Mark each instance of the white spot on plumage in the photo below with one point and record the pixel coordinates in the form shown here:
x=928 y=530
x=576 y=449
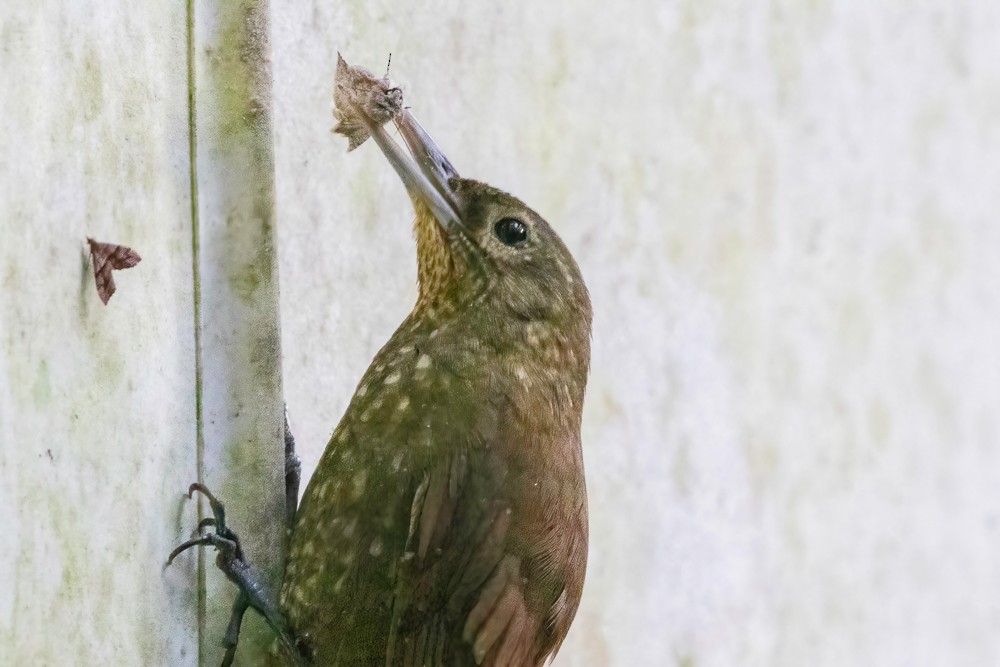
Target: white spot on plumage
x=533 y=333
x=424 y=361
x=359 y=483
x=370 y=410
x=403 y=403
x=392 y=379
x=376 y=547
x=363 y=389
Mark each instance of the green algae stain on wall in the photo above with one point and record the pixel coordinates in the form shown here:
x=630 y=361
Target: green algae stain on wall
x=89 y=88
x=240 y=375
x=41 y=391
x=245 y=278
x=242 y=65
x=265 y=357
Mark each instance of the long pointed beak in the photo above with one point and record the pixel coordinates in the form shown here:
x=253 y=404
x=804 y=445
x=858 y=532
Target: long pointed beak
x=425 y=172
x=432 y=162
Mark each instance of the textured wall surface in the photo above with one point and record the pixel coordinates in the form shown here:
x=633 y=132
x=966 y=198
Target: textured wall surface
x=241 y=447
x=107 y=413
x=786 y=214
x=97 y=425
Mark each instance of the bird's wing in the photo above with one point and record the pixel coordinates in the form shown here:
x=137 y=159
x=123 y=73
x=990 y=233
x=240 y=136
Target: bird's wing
x=460 y=595
x=423 y=539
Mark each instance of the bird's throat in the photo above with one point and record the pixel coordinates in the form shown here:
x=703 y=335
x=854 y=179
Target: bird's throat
x=435 y=263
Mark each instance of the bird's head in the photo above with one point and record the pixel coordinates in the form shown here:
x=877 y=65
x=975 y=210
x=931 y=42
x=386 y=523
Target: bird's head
x=489 y=267
x=482 y=250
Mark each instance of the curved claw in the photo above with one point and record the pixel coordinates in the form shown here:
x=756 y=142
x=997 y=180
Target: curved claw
x=201 y=488
x=204 y=539
x=222 y=534
x=218 y=509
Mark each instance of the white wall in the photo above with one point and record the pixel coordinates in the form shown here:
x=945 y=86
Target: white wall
x=786 y=216
x=97 y=426
x=108 y=413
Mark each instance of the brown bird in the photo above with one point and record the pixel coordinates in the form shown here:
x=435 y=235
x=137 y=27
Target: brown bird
x=446 y=523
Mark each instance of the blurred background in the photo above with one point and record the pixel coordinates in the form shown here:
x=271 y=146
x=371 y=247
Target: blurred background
x=786 y=213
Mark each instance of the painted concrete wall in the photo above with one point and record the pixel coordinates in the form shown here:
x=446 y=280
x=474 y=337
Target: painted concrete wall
x=786 y=216
x=97 y=425
x=146 y=126
x=786 y=213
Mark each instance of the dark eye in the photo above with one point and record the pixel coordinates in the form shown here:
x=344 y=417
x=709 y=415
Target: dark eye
x=511 y=231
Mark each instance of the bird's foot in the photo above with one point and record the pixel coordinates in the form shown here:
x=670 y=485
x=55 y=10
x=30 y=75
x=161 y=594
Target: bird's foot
x=213 y=531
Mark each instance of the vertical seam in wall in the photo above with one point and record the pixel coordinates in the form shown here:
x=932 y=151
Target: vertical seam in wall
x=196 y=277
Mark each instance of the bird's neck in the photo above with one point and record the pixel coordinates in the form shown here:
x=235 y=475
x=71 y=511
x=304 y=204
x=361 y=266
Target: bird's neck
x=551 y=369
x=435 y=263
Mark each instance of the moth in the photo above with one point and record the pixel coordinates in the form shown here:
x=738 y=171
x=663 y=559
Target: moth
x=357 y=88
x=108 y=257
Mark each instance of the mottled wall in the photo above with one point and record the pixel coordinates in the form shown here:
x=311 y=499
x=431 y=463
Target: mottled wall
x=786 y=214
x=97 y=425
x=147 y=126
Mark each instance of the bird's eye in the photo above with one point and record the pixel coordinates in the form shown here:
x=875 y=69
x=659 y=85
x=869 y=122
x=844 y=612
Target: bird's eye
x=511 y=231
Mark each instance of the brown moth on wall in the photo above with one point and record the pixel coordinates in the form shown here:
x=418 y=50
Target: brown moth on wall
x=108 y=257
